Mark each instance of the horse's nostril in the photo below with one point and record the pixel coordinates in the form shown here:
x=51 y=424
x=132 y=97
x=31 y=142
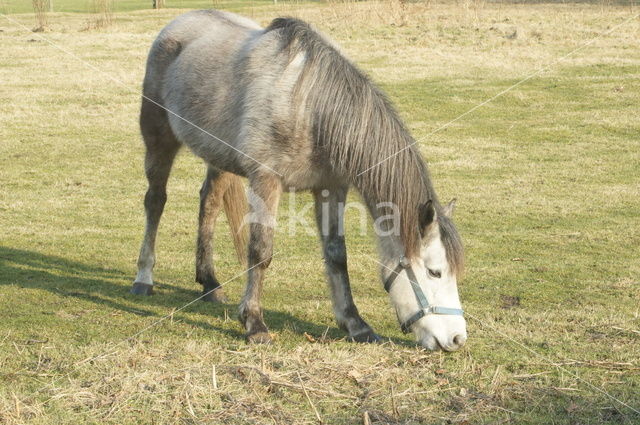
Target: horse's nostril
x=459 y=340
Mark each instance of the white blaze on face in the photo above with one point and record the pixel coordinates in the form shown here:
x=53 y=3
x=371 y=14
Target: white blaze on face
x=433 y=331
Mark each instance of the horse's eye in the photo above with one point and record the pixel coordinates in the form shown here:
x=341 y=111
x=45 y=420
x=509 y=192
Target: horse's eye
x=435 y=273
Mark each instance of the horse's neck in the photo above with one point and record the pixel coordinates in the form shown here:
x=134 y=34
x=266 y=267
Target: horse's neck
x=390 y=245
x=388 y=223
x=390 y=249
x=401 y=183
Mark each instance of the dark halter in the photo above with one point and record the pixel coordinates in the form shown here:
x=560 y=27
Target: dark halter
x=425 y=308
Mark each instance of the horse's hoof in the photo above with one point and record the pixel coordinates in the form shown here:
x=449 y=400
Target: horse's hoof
x=368 y=337
x=139 y=288
x=215 y=296
x=259 y=338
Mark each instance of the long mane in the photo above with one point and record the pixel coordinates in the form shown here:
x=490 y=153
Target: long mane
x=357 y=128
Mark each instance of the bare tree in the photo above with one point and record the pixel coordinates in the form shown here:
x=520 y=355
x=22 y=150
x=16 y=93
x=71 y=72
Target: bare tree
x=40 y=8
x=103 y=10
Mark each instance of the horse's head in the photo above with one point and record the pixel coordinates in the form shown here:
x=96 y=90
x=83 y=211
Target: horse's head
x=430 y=306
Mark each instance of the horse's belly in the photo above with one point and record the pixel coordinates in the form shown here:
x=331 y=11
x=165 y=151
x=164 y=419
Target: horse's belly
x=302 y=180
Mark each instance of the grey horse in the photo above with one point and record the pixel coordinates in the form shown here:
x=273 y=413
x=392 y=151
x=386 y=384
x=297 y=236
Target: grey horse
x=284 y=108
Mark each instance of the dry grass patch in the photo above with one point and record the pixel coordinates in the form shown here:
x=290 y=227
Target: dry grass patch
x=200 y=381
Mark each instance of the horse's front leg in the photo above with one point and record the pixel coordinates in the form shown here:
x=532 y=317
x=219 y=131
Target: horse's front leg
x=264 y=197
x=329 y=205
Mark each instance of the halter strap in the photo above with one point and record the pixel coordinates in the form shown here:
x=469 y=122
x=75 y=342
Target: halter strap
x=425 y=308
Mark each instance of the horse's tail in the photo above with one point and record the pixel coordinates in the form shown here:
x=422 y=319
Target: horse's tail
x=236 y=207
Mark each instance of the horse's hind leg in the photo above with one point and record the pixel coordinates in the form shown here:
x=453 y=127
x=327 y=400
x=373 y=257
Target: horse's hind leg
x=265 y=194
x=329 y=207
x=211 y=201
x=161 y=151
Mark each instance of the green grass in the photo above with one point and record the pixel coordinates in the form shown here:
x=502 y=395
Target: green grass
x=546 y=178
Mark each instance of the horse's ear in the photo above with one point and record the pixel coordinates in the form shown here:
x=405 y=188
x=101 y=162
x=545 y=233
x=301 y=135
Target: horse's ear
x=448 y=210
x=426 y=216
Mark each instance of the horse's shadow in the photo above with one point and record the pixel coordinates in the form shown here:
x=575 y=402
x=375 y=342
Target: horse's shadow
x=103 y=287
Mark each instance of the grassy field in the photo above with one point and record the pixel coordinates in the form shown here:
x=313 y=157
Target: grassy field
x=547 y=181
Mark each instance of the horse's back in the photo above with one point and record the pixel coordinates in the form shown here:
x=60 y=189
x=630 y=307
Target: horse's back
x=195 y=24
x=190 y=27
x=185 y=30
x=190 y=64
